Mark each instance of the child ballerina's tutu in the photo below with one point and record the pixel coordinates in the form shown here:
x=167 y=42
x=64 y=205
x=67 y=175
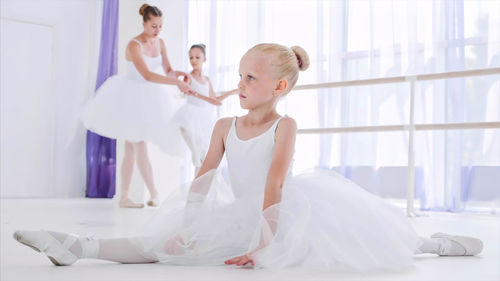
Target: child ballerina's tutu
x=264 y=216
x=197 y=117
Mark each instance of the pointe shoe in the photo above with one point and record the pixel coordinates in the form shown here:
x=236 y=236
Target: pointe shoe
x=128 y=203
x=469 y=246
x=42 y=241
x=153 y=202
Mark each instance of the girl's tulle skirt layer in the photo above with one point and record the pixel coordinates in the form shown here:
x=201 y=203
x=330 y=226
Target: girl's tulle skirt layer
x=324 y=222
x=199 y=121
x=135 y=110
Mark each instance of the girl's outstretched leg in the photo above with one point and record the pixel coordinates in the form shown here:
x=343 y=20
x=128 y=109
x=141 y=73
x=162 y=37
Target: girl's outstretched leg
x=66 y=249
x=123 y=250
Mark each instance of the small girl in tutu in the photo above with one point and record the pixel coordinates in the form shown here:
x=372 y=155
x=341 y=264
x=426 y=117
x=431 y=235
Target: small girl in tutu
x=265 y=217
x=197 y=117
x=138 y=106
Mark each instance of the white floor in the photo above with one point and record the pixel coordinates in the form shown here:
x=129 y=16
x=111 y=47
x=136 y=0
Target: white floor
x=102 y=218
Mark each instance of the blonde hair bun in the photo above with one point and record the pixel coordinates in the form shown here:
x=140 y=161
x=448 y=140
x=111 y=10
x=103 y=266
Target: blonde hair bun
x=286 y=62
x=302 y=57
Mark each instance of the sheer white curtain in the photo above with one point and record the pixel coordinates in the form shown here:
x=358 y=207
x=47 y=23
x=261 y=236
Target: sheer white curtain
x=349 y=40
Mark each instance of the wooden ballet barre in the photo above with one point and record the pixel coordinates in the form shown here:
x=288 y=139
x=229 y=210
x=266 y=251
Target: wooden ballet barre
x=389 y=128
x=401 y=79
x=411 y=127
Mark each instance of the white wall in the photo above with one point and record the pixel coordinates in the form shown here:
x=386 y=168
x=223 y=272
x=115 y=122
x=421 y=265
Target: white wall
x=49 y=52
x=47 y=48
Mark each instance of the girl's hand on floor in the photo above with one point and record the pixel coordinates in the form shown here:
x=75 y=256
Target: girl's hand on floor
x=241 y=260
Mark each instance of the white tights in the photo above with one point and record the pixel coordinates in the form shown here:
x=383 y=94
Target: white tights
x=136 y=151
x=196 y=154
x=125 y=250
x=122 y=250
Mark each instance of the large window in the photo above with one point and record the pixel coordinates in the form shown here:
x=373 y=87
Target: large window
x=350 y=40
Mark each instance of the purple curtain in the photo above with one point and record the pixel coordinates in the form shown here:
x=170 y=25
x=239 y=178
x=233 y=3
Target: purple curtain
x=101 y=151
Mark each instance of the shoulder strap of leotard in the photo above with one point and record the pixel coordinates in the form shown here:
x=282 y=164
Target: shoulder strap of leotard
x=137 y=41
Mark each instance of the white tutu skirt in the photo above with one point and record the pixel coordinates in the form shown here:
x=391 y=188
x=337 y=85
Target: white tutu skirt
x=135 y=110
x=324 y=222
x=198 y=121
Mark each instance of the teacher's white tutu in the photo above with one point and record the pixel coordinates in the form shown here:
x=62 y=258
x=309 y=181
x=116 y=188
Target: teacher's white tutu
x=130 y=108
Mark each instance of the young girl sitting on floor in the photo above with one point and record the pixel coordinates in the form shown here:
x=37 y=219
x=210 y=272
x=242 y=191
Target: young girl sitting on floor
x=268 y=218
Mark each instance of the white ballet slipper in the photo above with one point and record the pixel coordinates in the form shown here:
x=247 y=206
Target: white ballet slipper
x=153 y=202
x=128 y=203
x=42 y=241
x=469 y=246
